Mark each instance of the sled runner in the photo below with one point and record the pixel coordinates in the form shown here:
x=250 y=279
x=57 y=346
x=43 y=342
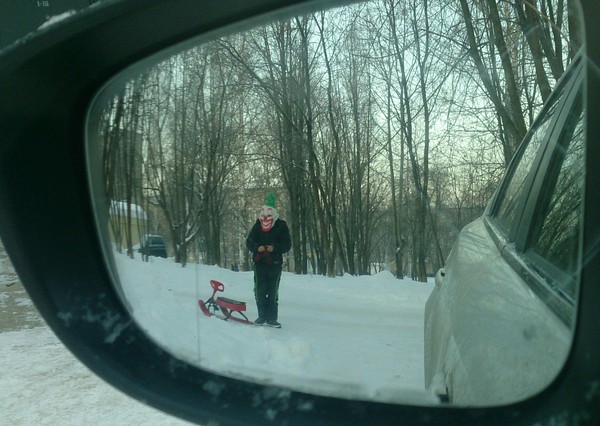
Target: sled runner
x=223 y=307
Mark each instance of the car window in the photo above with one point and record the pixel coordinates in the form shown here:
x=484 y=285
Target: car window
x=510 y=207
x=556 y=237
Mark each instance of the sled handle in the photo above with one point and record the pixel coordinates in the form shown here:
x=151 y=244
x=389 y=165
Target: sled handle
x=217 y=286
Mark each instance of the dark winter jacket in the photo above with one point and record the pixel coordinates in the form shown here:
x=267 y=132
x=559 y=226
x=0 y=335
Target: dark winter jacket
x=278 y=237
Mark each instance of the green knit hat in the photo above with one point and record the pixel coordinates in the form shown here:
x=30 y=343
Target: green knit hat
x=271 y=200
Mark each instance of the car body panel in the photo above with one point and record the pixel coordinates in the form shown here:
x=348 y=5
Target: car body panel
x=482 y=318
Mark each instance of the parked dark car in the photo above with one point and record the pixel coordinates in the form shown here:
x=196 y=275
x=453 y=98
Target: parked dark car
x=153 y=245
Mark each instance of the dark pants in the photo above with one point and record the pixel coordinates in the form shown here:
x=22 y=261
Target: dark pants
x=266 y=290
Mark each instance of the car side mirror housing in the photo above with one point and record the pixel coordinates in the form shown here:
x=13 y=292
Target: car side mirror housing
x=46 y=86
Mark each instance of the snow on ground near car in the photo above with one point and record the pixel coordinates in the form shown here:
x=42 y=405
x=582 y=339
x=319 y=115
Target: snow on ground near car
x=350 y=337
x=43 y=384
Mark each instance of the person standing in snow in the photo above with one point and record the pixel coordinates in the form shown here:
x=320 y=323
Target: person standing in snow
x=268 y=239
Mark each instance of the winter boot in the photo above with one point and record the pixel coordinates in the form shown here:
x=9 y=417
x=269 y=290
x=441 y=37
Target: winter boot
x=273 y=323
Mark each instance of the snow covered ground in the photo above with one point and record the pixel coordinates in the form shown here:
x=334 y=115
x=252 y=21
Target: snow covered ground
x=43 y=384
x=349 y=337
x=353 y=337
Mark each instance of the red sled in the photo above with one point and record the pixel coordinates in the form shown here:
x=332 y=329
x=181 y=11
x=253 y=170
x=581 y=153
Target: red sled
x=223 y=307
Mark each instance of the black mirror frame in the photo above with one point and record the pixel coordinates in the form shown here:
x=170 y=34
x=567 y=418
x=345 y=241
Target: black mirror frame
x=47 y=226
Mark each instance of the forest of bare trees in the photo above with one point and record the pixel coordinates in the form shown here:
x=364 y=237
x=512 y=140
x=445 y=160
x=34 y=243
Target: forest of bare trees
x=384 y=127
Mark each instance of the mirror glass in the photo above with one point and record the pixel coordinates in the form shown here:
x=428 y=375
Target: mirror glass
x=314 y=173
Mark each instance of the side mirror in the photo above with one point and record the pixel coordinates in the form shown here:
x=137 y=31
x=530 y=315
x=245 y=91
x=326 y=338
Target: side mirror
x=46 y=86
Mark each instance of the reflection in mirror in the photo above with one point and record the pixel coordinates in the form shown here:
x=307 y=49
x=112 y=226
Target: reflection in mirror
x=381 y=129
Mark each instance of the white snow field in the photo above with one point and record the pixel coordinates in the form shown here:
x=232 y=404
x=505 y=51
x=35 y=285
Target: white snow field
x=357 y=337
x=350 y=337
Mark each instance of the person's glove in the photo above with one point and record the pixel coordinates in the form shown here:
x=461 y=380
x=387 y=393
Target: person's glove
x=264 y=253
